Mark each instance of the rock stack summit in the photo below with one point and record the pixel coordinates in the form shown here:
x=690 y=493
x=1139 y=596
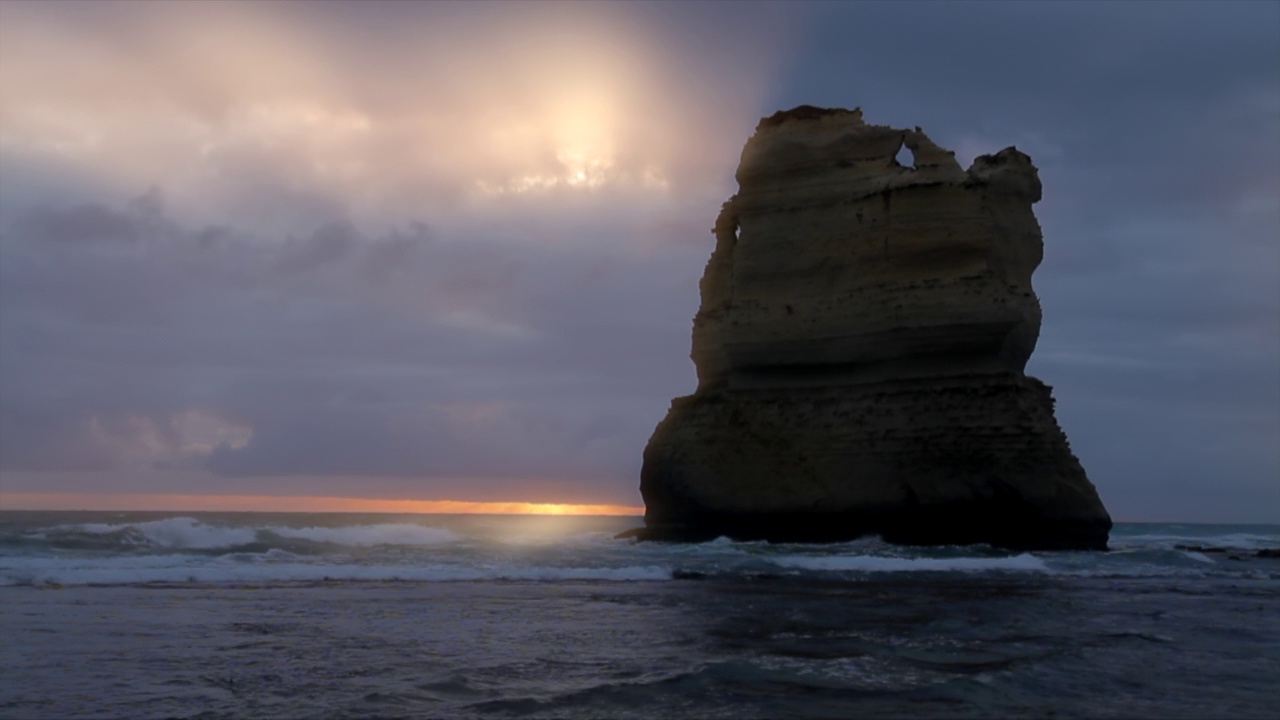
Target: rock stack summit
x=860 y=352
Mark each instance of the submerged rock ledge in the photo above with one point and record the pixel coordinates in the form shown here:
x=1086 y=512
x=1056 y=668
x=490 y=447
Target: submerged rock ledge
x=860 y=351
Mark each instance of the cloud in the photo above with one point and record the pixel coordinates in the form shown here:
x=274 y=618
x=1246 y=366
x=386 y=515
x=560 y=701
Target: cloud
x=454 y=248
x=409 y=353
x=343 y=230
x=278 y=114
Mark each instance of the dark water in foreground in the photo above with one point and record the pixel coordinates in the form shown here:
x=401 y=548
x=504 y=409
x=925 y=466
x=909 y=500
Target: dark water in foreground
x=133 y=615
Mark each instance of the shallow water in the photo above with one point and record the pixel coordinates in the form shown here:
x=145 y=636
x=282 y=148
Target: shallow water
x=298 y=616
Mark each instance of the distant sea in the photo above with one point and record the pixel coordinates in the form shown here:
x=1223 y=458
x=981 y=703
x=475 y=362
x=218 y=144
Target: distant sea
x=240 y=615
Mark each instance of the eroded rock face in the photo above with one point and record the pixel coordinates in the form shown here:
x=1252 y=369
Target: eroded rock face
x=860 y=351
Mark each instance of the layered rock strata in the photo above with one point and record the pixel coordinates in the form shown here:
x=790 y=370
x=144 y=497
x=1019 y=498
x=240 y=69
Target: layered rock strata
x=860 y=351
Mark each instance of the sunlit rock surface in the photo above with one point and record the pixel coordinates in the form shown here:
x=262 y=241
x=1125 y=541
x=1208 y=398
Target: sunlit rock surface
x=860 y=352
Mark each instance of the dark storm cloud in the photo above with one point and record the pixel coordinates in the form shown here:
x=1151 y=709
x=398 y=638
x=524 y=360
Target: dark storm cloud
x=315 y=289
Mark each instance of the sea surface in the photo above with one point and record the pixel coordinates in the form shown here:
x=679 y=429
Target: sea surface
x=242 y=615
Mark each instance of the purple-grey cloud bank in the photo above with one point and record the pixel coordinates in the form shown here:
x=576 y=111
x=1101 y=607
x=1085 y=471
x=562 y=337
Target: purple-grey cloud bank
x=452 y=251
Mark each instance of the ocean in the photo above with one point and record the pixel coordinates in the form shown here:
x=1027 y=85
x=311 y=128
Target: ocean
x=265 y=616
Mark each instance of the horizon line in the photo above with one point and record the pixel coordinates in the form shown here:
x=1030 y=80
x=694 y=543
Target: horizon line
x=207 y=502
x=183 y=502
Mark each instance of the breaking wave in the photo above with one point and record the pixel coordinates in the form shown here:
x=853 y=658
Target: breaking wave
x=230 y=548
x=176 y=532
x=871 y=563
x=185 y=533
x=1171 y=540
x=371 y=535
x=234 y=569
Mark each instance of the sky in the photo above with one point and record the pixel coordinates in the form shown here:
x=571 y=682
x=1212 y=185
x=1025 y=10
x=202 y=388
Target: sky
x=450 y=252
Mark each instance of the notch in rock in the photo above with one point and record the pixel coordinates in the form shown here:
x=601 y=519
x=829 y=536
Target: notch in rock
x=906 y=157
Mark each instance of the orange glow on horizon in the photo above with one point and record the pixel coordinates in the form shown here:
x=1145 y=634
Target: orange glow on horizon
x=300 y=503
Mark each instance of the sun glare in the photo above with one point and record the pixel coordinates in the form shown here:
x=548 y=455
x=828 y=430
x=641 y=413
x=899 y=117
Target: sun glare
x=571 y=144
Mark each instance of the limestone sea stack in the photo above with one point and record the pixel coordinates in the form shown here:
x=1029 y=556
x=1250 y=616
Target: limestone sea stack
x=860 y=352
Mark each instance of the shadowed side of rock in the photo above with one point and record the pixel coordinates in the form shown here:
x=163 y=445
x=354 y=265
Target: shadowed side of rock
x=941 y=461
x=860 y=350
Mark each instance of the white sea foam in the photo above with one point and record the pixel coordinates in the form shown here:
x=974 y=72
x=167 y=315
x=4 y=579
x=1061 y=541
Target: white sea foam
x=576 y=540
x=189 y=533
x=871 y=563
x=370 y=535
x=180 y=532
x=265 y=549
x=232 y=570
x=1198 y=556
x=1240 y=540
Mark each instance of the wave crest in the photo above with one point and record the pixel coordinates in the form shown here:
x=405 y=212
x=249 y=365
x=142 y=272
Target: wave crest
x=234 y=569
x=370 y=535
x=871 y=563
x=187 y=533
x=175 y=532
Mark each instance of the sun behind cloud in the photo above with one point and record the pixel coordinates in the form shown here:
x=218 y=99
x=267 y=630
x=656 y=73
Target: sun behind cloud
x=564 y=99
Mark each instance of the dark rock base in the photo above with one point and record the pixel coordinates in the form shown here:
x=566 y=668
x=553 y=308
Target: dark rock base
x=938 y=461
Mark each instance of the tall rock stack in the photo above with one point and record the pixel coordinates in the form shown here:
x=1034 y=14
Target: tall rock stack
x=860 y=352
